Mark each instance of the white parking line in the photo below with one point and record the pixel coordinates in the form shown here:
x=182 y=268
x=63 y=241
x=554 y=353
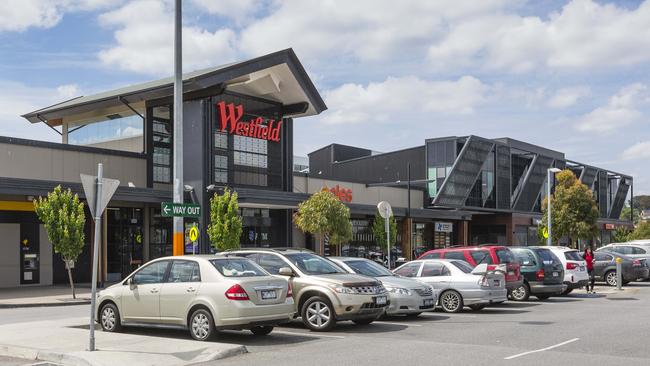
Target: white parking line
x=542 y=349
x=404 y=324
x=307 y=334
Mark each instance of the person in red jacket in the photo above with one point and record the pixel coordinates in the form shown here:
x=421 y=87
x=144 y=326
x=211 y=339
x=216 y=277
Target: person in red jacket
x=589 y=258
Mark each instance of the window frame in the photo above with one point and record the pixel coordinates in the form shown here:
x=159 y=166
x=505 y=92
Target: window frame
x=171 y=268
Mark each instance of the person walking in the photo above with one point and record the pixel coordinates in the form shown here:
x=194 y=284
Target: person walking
x=589 y=258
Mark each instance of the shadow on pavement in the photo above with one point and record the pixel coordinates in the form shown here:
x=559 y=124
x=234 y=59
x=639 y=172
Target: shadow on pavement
x=579 y=297
x=429 y=317
x=513 y=304
x=489 y=311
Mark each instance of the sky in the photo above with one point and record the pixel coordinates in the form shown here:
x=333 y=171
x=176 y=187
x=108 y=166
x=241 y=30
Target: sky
x=567 y=75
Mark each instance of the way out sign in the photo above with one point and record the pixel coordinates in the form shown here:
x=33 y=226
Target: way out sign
x=170 y=209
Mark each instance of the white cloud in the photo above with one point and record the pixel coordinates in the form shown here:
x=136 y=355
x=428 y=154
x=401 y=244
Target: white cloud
x=583 y=33
x=144 y=40
x=622 y=109
x=640 y=150
x=19 y=15
x=234 y=9
x=567 y=97
x=395 y=98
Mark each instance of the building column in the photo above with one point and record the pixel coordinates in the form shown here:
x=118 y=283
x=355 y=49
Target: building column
x=407 y=238
x=463 y=233
x=64 y=133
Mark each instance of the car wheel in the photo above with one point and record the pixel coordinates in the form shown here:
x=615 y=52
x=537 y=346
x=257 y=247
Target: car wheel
x=567 y=291
x=477 y=307
x=364 y=321
x=317 y=314
x=542 y=297
x=201 y=325
x=521 y=293
x=110 y=318
x=610 y=278
x=262 y=330
x=451 y=301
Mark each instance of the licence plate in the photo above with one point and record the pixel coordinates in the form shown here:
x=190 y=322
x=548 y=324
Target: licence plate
x=381 y=300
x=497 y=283
x=582 y=268
x=555 y=274
x=511 y=273
x=428 y=302
x=269 y=294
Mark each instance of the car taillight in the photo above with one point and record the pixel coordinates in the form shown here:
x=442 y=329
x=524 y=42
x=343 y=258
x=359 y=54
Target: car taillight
x=483 y=282
x=570 y=265
x=540 y=274
x=636 y=263
x=236 y=292
x=289 y=291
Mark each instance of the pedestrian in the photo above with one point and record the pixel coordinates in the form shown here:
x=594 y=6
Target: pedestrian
x=589 y=258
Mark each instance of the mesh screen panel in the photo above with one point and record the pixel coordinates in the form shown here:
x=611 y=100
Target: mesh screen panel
x=532 y=186
x=619 y=199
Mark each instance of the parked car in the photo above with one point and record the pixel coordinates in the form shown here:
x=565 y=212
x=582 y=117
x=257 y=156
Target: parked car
x=199 y=293
x=407 y=296
x=495 y=256
x=457 y=283
x=605 y=267
x=575 y=268
x=324 y=293
x=543 y=273
x=630 y=249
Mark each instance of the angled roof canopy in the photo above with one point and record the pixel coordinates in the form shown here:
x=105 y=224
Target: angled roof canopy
x=278 y=76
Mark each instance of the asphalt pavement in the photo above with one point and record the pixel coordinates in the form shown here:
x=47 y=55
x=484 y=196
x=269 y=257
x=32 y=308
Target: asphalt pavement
x=608 y=328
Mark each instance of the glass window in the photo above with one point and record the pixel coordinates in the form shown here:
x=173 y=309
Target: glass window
x=313 y=264
x=435 y=255
x=184 y=271
x=481 y=256
x=368 y=268
x=162 y=144
x=271 y=263
x=409 y=270
x=455 y=255
x=160 y=235
x=238 y=267
x=525 y=257
x=116 y=126
x=573 y=255
x=505 y=255
x=602 y=257
x=432 y=270
x=547 y=256
x=152 y=273
x=637 y=250
x=463 y=266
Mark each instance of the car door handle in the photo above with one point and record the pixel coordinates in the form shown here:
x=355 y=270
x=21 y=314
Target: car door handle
x=190 y=289
x=154 y=291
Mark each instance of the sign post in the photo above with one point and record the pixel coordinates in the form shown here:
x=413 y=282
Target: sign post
x=172 y=209
x=619 y=274
x=386 y=212
x=99 y=191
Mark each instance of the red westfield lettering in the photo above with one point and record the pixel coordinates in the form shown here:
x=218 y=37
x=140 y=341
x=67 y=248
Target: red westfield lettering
x=230 y=119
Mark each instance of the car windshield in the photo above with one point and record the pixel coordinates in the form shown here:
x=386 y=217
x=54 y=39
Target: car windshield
x=313 y=264
x=546 y=255
x=368 y=268
x=238 y=267
x=463 y=266
x=572 y=255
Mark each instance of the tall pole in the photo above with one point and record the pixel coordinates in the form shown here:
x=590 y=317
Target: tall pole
x=98 y=233
x=549 y=240
x=408 y=209
x=387 y=224
x=178 y=241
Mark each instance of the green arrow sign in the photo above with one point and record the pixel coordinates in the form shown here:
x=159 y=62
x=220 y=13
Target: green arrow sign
x=170 y=209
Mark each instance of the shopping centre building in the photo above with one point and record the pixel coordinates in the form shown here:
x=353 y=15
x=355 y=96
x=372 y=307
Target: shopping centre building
x=238 y=133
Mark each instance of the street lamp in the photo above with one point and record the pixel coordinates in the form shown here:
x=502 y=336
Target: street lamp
x=549 y=240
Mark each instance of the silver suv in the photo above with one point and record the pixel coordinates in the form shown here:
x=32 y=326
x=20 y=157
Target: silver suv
x=323 y=292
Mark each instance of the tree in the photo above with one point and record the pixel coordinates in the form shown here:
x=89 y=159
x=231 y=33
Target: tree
x=225 y=223
x=324 y=215
x=64 y=219
x=379 y=230
x=574 y=213
x=642 y=231
x=621 y=234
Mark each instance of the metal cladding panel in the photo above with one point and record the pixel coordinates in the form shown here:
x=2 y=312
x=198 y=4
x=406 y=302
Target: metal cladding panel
x=503 y=177
x=619 y=199
x=589 y=176
x=461 y=179
x=602 y=193
x=528 y=196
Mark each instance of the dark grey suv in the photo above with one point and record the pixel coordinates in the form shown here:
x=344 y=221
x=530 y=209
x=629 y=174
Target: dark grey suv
x=543 y=273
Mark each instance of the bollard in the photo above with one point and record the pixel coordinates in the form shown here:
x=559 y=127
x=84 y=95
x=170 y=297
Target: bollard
x=619 y=273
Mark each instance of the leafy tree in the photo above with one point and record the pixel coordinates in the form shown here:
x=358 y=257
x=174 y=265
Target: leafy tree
x=225 y=223
x=64 y=219
x=621 y=234
x=324 y=215
x=625 y=214
x=379 y=230
x=642 y=202
x=574 y=211
x=642 y=231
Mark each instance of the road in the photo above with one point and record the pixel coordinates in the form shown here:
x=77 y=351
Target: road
x=579 y=329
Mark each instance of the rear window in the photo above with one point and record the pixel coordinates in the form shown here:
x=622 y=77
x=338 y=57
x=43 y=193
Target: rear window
x=525 y=257
x=463 y=266
x=546 y=255
x=455 y=255
x=409 y=269
x=505 y=255
x=238 y=267
x=572 y=255
x=481 y=256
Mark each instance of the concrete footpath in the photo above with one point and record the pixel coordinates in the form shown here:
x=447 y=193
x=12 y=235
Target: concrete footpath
x=34 y=296
x=66 y=342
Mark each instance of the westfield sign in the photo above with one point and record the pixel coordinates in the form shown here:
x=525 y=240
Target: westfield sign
x=230 y=120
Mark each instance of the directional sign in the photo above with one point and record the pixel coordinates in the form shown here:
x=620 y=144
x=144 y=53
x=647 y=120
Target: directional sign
x=545 y=233
x=170 y=209
x=194 y=233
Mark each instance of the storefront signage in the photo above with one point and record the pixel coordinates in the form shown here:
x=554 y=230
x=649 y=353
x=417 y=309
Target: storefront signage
x=170 y=209
x=342 y=193
x=445 y=227
x=230 y=116
x=610 y=227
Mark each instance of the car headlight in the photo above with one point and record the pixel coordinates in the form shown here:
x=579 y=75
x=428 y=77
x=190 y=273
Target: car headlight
x=398 y=290
x=342 y=289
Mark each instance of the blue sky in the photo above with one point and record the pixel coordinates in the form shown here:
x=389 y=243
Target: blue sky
x=569 y=75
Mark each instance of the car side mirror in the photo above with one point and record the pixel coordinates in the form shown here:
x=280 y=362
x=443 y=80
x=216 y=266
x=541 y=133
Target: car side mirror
x=131 y=282
x=286 y=271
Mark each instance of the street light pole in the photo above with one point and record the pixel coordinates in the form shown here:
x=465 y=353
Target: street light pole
x=549 y=224
x=178 y=239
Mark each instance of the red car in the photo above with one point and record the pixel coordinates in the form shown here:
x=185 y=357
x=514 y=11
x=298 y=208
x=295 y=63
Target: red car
x=495 y=256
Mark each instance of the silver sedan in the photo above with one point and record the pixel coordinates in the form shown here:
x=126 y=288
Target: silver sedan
x=407 y=296
x=457 y=284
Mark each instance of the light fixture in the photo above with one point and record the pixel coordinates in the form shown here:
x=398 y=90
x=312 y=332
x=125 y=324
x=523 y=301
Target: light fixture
x=188 y=188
